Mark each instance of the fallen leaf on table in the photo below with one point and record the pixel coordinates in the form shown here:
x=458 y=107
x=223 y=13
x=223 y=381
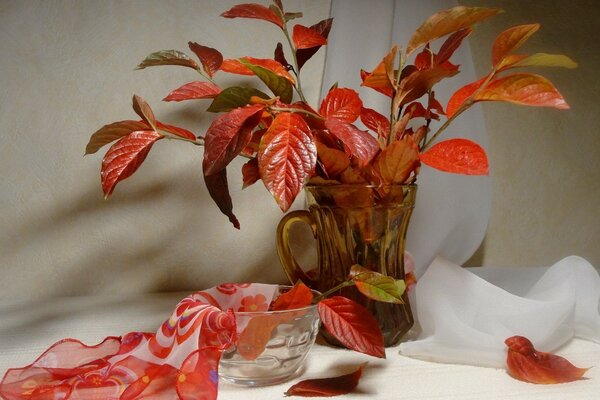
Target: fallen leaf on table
x=527 y=364
x=326 y=387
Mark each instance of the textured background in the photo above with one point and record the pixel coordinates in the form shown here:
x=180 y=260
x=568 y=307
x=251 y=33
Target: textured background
x=67 y=69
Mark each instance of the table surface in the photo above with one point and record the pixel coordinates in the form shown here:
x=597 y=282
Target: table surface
x=29 y=328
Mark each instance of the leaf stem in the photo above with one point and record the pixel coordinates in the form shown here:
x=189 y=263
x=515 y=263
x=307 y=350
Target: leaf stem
x=298 y=85
x=205 y=75
x=297 y=110
x=198 y=141
x=333 y=290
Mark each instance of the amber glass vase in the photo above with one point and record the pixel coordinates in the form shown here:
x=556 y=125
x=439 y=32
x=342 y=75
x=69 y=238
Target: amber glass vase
x=355 y=224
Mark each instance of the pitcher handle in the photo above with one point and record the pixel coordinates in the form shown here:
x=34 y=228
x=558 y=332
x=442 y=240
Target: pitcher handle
x=290 y=265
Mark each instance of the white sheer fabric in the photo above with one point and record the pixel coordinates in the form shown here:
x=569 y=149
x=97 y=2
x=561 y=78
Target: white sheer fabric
x=452 y=211
x=465 y=318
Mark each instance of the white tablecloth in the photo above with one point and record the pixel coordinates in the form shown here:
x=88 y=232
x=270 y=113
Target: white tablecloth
x=27 y=329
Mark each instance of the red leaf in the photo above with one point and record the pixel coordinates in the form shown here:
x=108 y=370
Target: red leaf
x=352 y=325
x=279 y=56
x=299 y=296
x=250 y=173
x=254 y=11
x=237 y=67
x=219 y=192
x=342 y=105
x=124 y=158
x=527 y=364
x=326 y=387
x=375 y=121
x=322 y=28
x=111 y=132
x=175 y=130
x=452 y=44
x=418 y=83
x=287 y=157
x=228 y=135
x=459 y=97
x=255 y=336
x=382 y=77
x=143 y=109
x=459 y=156
x=305 y=37
x=510 y=40
x=194 y=90
x=397 y=161
x=524 y=89
x=423 y=59
x=210 y=58
x=358 y=143
x=333 y=161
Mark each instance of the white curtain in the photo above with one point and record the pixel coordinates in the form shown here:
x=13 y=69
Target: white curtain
x=452 y=211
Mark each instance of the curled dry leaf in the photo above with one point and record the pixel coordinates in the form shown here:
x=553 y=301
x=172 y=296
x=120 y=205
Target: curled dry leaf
x=352 y=324
x=326 y=387
x=527 y=364
x=142 y=108
x=458 y=156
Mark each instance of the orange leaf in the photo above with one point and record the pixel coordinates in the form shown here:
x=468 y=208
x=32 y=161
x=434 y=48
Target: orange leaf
x=357 y=143
x=305 y=37
x=448 y=21
x=298 y=296
x=333 y=161
x=326 y=387
x=255 y=336
x=459 y=156
x=352 y=325
x=111 y=132
x=322 y=28
x=341 y=104
x=125 y=157
x=194 y=90
x=527 y=364
x=397 y=161
x=175 y=130
x=252 y=10
x=210 y=58
x=375 y=121
x=461 y=95
x=382 y=77
x=536 y=60
x=510 y=40
x=525 y=89
x=286 y=157
x=237 y=67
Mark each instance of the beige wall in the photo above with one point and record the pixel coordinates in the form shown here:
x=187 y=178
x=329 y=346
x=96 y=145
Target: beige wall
x=545 y=163
x=67 y=69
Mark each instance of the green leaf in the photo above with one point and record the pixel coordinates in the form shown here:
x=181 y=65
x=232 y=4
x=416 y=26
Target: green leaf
x=234 y=97
x=278 y=85
x=377 y=286
x=167 y=57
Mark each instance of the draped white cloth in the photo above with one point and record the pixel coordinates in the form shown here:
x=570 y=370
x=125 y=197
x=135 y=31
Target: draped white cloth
x=452 y=211
x=465 y=318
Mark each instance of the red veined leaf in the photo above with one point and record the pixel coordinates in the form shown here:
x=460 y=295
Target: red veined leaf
x=111 y=132
x=418 y=83
x=375 y=121
x=234 y=97
x=305 y=37
x=510 y=40
x=326 y=387
x=143 y=109
x=219 y=191
x=124 y=158
x=448 y=21
x=341 y=104
x=175 y=130
x=298 y=296
x=382 y=77
x=250 y=173
x=238 y=67
x=322 y=28
x=527 y=364
x=333 y=161
x=228 y=135
x=376 y=286
x=536 y=60
x=168 y=57
x=279 y=56
x=210 y=58
x=286 y=157
x=279 y=85
x=461 y=95
x=352 y=325
x=357 y=143
x=525 y=89
x=398 y=161
x=194 y=90
x=423 y=60
x=417 y=110
x=254 y=11
x=451 y=44
x=459 y=156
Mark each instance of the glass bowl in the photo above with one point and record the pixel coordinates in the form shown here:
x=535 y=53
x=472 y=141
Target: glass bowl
x=271 y=345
